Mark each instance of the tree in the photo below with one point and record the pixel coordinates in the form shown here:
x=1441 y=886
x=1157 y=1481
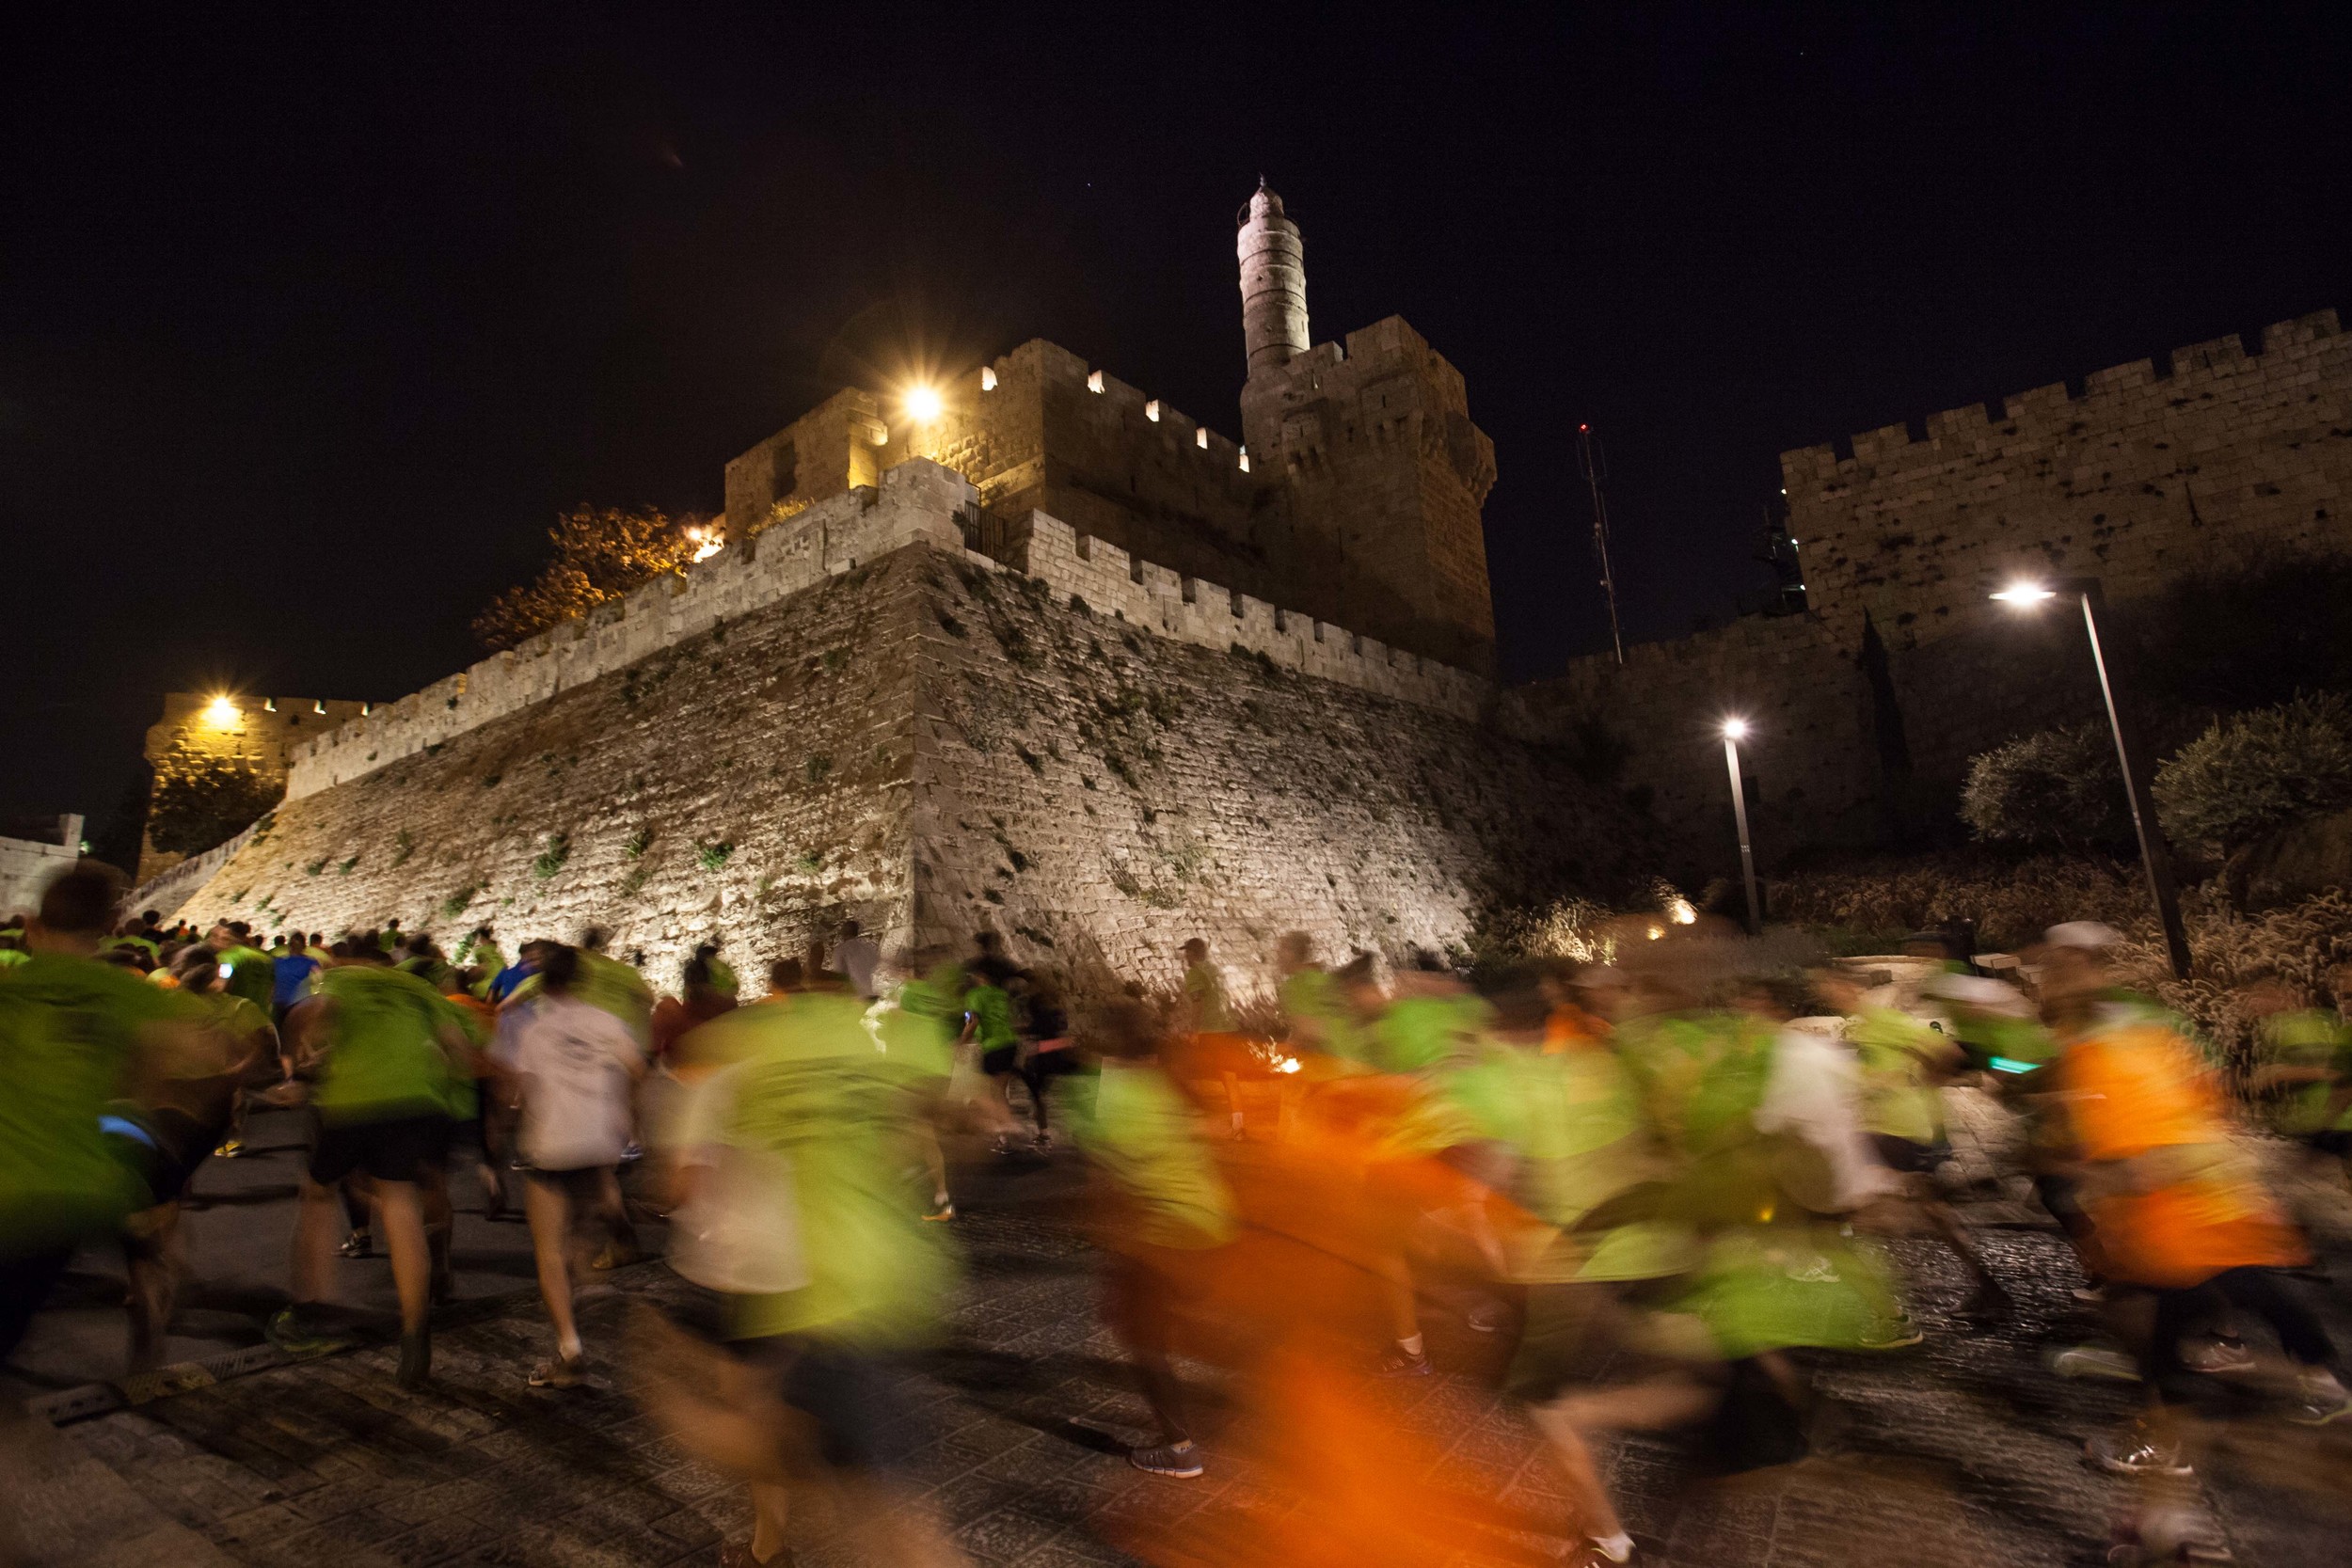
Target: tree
x=600 y=555
x=204 y=801
x=2056 y=787
x=2251 y=772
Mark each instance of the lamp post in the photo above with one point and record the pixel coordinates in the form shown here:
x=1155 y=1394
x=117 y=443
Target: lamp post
x=1735 y=730
x=2156 y=856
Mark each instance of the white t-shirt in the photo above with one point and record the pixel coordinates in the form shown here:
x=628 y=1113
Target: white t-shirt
x=1812 y=1092
x=577 y=1064
x=740 y=1230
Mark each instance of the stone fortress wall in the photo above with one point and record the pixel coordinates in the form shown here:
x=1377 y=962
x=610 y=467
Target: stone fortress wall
x=1865 y=709
x=916 y=499
x=257 y=732
x=1090 y=755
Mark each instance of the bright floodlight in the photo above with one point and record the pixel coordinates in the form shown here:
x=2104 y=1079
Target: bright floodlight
x=1736 y=729
x=2026 y=594
x=221 y=711
x=924 y=404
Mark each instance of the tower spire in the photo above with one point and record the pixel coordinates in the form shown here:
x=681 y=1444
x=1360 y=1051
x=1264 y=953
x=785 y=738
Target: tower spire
x=1273 y=281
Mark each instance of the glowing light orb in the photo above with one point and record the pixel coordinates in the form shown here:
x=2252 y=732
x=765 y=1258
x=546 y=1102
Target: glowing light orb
x=220 y=712
x=2026 y=594
x=1737 y=729
x=924 y=404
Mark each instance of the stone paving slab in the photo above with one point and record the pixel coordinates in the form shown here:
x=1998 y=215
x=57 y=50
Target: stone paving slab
x=1963 y=1452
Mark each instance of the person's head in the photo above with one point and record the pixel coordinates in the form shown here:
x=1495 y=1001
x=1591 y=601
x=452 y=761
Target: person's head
x=151 y=917
x=296 y=942
x=786 y=975
x=1294 y=951
x=393 y=927
x=198 y=969
x=1603 y=991
x=988 y=944
x=318 y=938
x=2076 y=962
x=363 y=950
x=77 y=909
x=1521 y=1009
x=220 y=935
x=559 y=968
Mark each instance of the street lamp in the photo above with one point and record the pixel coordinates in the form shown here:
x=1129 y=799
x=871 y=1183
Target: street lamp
x=1735 y=731
x=2155 y=857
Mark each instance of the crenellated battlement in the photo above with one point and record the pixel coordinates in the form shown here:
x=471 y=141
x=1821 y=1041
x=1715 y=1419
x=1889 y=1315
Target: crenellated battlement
x=2217 y=367
x=914 y=500
x=917 y=499
x=1168 y=604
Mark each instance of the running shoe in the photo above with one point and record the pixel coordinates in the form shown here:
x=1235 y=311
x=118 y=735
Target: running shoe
x=416 y=1358
x=943 y=1209
x=1488 y=1317
x=1901 y=1334
x=293 y=1332
x=230 y=1148
x=615 y=1256
x=1396 y=1361
x=2131 y=1450
x=2219 y=1352
x=1180 y=1460
x=2094 y=1293
x=2094 y=1361
x=2319 y=1403
x=360 y=1243
x=737 y=1554
x=563 y=1371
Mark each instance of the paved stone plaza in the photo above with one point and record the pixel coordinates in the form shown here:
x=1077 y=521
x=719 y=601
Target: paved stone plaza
x=1965 y=1451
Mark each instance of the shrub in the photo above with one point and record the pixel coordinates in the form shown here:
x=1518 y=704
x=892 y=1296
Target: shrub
x=2253 y=773
x=2059 y=787
x=639 y=841
x=550 y=859
x=204 y=803
x=713 y=854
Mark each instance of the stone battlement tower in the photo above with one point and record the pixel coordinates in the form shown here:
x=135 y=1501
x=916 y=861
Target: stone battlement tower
x=1383 y=478
x=1355 y=496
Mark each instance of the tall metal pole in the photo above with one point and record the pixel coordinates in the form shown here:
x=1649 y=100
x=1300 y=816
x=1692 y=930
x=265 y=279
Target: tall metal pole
x=1594 y=464
x=2156 y=856
x=1747 y=855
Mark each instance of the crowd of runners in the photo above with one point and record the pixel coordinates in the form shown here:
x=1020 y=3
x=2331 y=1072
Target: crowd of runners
x=1659 y=1183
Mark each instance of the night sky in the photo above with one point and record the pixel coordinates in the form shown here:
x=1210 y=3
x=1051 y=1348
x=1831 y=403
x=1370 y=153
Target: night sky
x=309 y=326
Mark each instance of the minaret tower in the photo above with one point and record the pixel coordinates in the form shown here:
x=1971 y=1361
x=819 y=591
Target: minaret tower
x=1273 y=282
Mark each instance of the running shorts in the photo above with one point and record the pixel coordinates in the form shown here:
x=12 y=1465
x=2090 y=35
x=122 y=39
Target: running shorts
x=398 y=1149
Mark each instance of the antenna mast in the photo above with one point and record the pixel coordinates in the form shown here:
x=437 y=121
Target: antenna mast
x=1595 y=459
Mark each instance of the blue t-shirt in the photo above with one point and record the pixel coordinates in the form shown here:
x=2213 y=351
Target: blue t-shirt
x=290 y=976
x=502 y=985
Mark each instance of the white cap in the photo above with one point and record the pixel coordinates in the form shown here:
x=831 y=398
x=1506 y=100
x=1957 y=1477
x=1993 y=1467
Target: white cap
x=1978 y=992
x=2092 y=936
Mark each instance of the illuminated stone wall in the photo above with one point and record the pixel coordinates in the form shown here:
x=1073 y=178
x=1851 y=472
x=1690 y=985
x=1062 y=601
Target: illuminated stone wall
x=259 y=732
x=1070 y=747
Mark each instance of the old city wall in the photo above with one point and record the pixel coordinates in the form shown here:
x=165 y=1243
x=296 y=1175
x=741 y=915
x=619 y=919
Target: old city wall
x=1100 y=789
x=877 y=742
x=2140 y=475
x=1036 y=429
x=1652 y=729
x=1872 y=703
x=257 y=732
x=1383 y=481
x=746 y=780
x=835 y=536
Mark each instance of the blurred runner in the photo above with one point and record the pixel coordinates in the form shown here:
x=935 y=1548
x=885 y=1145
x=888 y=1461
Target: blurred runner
x=572 y=1068
x=379 y=1048
x=1164 y=1207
